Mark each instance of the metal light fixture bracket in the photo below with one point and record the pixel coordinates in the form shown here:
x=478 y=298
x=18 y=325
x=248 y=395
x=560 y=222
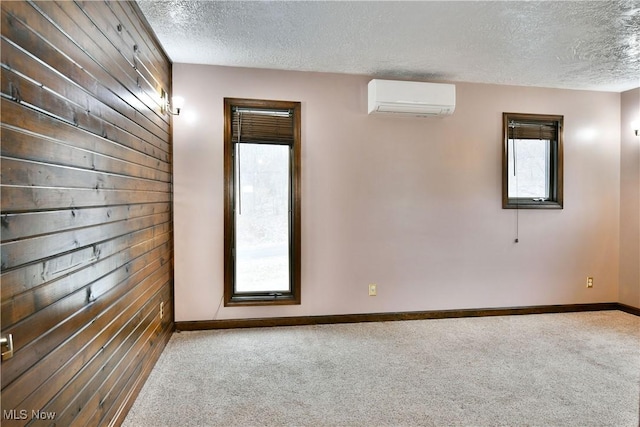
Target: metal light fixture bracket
x=165 y=105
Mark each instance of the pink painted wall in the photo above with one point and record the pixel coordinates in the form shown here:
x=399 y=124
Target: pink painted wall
x=629 y=200
x=411 y=204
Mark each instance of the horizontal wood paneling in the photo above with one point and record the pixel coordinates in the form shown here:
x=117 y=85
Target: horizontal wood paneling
x=64 y=45
x=44 y=124
x=30 y=276
x=37 y=174
x=72 y=399
x=19 y=144
x=32 y=92
x=16 y=58
x=86 y=221
x=65 y=361
x=149 y=54
x=27 y=303
x=21 y=199
x=18 y=226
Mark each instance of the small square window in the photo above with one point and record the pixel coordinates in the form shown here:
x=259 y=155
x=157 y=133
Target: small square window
x=532 y=161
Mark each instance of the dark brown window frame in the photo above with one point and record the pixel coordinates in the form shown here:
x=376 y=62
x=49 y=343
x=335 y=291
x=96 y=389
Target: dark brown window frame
x=556 y=190
x=293 y=297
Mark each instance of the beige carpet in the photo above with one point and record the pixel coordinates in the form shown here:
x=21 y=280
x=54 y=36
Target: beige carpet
x=574 y=369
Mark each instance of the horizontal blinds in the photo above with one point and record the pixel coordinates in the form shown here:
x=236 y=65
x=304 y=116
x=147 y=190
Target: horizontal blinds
x=530 y=130
x=262 y=126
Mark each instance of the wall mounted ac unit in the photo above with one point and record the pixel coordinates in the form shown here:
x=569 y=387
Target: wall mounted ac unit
x=411 y=98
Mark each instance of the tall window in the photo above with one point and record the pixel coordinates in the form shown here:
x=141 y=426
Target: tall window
x=532 y=161
x=261 y=202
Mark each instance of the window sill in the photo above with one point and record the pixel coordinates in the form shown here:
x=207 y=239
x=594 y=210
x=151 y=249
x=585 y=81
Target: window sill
x=253 y=300
x=530 y=204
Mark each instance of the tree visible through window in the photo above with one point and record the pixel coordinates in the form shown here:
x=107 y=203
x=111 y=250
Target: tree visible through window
x=262 y=218
x=532 y=161
x=262 y=202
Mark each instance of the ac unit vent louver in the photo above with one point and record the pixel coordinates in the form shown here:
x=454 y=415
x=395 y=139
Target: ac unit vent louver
x=411 y=98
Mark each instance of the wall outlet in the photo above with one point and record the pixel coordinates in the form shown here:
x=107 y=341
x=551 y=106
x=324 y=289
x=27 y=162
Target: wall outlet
x=589 y=282
x=161 y=310
x=373 y=289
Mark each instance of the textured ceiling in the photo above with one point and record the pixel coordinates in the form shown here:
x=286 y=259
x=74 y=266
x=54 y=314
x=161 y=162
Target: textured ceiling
x=565 y=44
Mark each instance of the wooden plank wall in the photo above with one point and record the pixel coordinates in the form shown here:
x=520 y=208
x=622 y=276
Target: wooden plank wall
x=86 y=222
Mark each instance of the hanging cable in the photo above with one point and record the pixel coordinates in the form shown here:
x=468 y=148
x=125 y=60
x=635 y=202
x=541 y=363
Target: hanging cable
x=239 y=163
x=513 y=126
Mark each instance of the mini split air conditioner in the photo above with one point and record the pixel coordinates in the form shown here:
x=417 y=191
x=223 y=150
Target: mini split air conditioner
x=411 y=98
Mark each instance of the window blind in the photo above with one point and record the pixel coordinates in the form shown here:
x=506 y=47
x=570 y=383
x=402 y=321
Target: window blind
x=537 y=130
x=262 y=126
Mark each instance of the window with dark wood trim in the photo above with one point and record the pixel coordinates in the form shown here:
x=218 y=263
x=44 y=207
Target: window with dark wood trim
x=532 y=161
x=261 y=202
